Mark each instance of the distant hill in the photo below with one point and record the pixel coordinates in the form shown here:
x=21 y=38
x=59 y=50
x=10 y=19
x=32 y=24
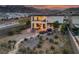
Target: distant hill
x=25 y=9
x=19 y=9
x=72 y=9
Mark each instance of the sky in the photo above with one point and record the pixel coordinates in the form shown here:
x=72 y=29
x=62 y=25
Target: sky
x=55 y=6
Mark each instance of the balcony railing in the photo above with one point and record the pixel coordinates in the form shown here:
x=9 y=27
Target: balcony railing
x=40 y=20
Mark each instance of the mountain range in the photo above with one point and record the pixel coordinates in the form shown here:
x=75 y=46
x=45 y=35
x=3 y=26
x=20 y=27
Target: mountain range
x=24 y=9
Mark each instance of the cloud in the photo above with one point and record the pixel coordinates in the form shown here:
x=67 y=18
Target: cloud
x=55 y=6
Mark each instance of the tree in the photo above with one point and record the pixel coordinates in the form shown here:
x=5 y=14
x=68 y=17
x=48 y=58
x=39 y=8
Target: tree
x=63 y=28
x=28 y=22
x=56 y=24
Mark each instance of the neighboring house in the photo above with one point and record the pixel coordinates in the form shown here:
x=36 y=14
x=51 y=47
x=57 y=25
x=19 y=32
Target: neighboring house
x=39 y=23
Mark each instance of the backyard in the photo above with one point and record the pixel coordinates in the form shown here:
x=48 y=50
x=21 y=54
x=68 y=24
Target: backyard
x=51 y=42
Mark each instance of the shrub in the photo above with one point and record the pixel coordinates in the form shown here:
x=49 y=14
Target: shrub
x=47 y=38
x=40 y=42
x=39 y=46
x=10 y=33
x=51 y=41
x=56 y=37
x=25 y=39
x=40 y=37
x=56 y=24
x=22 y=50
x=28 y=48
x=56 y=42
x=66 y=51
x=34 y=48
x=52 y=47
x=41 y=52
x=3 y=45
x=29 y=51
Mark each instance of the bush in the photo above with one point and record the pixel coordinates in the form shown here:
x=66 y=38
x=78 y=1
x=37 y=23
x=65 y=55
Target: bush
x=56 y=24
x=65 y=51
x=14 y=31
x=51 y=41
x=41 y=52
x=25 y=39
x=29 y=50
x=3 y=45
x=10 y=33
x=40 y=42
x=47 y=38
x=52 y=47
x=39 y=46
x=40 y=37
x=22 y=50
x=34 y=48
x=56 y=37
x=4 y=48
x=47 y=51
x=56 y=42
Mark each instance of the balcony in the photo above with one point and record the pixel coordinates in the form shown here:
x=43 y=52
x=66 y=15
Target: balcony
x=40 y=20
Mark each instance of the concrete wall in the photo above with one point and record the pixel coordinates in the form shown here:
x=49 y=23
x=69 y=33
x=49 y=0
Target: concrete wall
x=74 y=43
